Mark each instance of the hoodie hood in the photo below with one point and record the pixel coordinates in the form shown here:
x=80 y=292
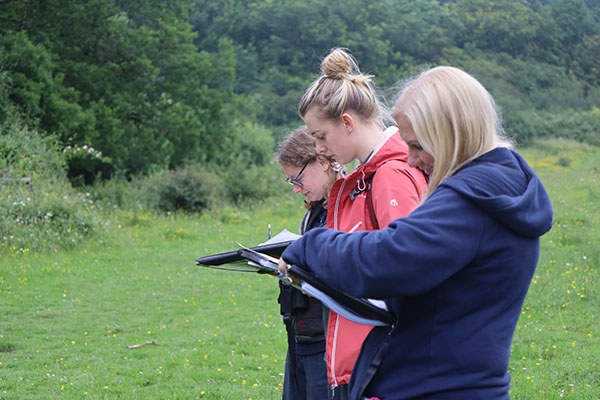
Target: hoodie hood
x=503 y=185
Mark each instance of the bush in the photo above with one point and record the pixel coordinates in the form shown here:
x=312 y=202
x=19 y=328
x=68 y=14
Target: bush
x=528 y=125
x=243 y=182
x=118 y=192
x=44 y=219
x=245 y=173
x=250 y=171
x=25 y=151
x=523 y=126
x=45 y=212
x=192 y=188
x=85 y=165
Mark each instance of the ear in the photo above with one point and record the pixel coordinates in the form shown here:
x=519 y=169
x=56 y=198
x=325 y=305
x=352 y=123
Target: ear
x=348 y=121
x=323 y=163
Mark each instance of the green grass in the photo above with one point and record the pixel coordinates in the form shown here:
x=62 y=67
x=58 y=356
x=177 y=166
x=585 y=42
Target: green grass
x=556 y=349
x=67 y=317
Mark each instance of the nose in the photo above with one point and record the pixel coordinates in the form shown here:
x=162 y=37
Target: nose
x=413 y=158
x=297 y=188
x=321 y=148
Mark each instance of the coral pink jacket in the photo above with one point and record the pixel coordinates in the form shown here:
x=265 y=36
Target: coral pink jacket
x=396 y=189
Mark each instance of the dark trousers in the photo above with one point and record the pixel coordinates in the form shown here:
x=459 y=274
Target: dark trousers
x=305 y=377
x=341 y=393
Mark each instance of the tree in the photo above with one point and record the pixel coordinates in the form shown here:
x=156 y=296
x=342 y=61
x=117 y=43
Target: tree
x=587 y=59
x=151 y=98
x=34 y=86
x=503 y=26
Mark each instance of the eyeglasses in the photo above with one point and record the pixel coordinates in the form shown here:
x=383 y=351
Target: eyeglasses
x=296 y=180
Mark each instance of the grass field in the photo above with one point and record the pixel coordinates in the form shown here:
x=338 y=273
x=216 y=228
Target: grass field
x=67 y=318
x=556 y=349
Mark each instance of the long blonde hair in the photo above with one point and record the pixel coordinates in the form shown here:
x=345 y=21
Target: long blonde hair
x=299 y=148
x=341 y=87
x=454 y=117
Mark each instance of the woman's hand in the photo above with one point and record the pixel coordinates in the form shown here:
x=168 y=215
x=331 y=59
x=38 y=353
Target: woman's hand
x=283 y=268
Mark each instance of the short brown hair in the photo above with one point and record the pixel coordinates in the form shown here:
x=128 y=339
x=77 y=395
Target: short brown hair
x=298 y=148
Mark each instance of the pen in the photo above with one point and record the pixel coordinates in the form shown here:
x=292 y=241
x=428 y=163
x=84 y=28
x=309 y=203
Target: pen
x=355 y=227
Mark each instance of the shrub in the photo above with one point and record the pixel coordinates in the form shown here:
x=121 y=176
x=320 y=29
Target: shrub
x=45 y=212
x=24 y=151
x=250 y=171
x=527 y=125
x=523 y=126
x=243 y=182
x=581 y=126
x=192 y=188
x=119 y=192
x=245 y=173
x=44 y=218
x=86 y=164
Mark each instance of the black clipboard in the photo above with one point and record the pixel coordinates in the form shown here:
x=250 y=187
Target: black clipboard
x=261 y=264
x=358 y=305
x=273 y=250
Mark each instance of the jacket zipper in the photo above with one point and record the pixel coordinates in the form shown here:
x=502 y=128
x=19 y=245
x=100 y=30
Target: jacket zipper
x=334 y=351
x=337 y=203
x=337 y=317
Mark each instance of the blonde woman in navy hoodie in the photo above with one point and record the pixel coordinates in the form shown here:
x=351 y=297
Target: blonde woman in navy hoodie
x=455 y=272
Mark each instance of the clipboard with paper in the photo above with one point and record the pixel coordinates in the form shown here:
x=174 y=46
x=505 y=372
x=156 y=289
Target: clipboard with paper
x=359 y=310
x=233 y=261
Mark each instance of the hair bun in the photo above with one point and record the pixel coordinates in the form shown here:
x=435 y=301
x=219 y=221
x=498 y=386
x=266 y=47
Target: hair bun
x=341 y=87
x=338 y=64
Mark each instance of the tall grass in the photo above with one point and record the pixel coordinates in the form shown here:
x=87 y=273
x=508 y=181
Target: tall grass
x=66 y=318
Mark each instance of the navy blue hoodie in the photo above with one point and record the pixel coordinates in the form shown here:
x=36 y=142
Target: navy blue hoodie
x=455 y=273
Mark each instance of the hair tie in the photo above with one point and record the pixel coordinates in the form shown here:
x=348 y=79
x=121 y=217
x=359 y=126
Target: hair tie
x=336 y=166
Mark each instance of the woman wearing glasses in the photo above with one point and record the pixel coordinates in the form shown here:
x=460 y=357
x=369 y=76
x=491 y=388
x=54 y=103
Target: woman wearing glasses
x=343 y=114
x=312 y=175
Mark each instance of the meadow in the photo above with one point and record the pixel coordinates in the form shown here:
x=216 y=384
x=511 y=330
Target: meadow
x=68 y=317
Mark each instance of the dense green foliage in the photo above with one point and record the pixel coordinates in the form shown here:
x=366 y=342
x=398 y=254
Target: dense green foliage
x=177 y=105
x=123 y=77
x=155 y=85
x=40 y=209
x=538 y=58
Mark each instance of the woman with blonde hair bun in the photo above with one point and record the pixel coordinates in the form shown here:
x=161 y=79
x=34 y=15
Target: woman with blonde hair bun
x=456 y=271
x=342 y=112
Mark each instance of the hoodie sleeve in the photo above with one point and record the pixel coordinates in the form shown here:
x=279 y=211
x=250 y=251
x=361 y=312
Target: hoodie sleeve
x=397 y=191
x=410 y=257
